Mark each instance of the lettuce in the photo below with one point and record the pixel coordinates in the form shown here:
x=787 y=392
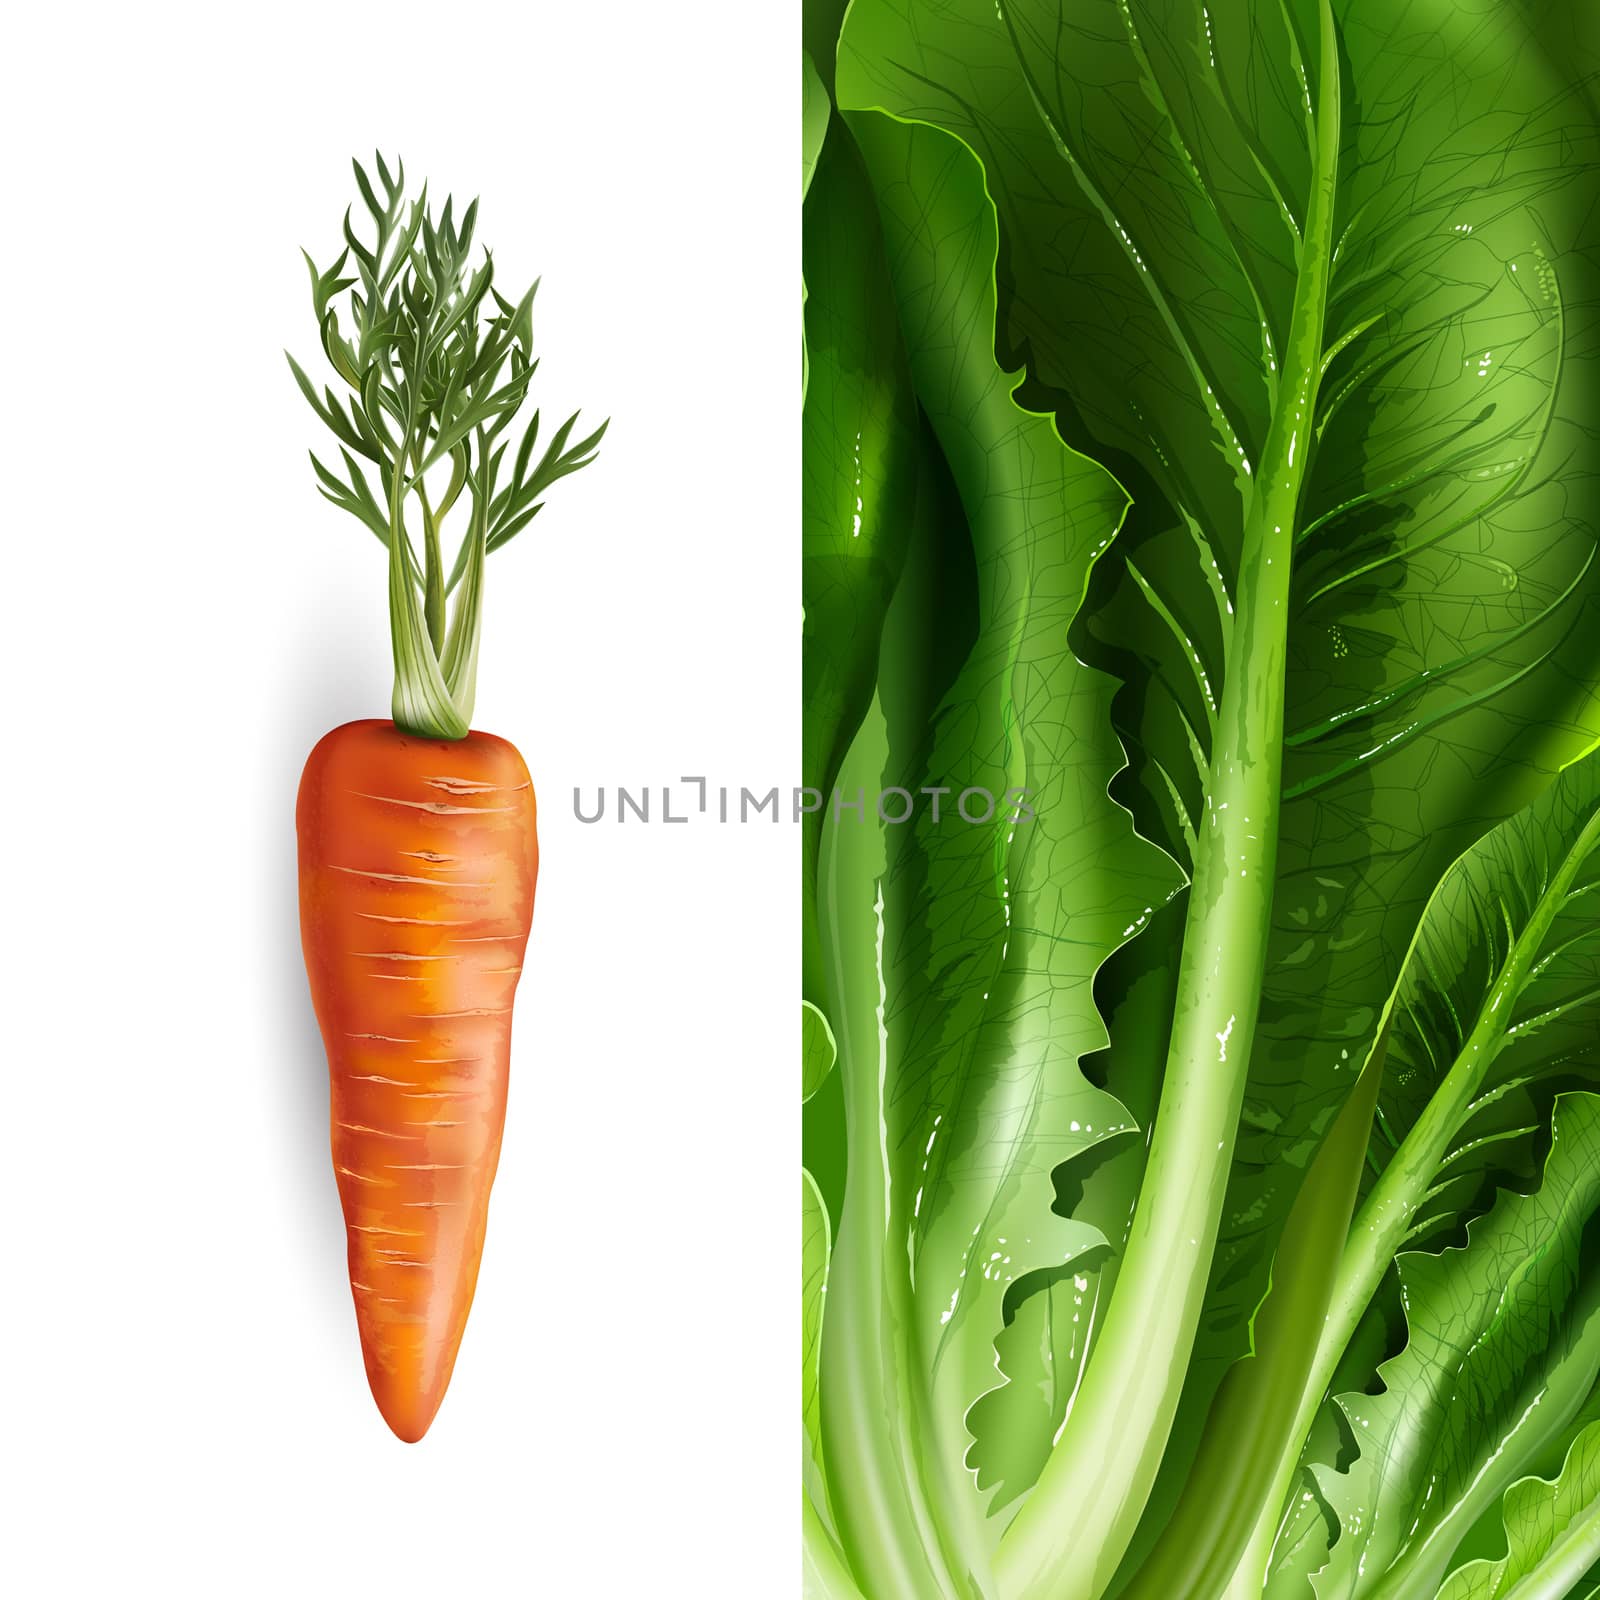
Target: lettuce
x=1198 y=463
x=1552 y=1530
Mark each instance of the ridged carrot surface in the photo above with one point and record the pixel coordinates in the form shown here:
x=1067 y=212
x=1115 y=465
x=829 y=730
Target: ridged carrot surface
x=418 y=858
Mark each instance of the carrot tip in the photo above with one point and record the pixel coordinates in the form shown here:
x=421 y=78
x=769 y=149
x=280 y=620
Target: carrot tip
x=408 y=1423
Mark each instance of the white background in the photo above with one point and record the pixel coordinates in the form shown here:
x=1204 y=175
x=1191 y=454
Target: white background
x=186 y=1412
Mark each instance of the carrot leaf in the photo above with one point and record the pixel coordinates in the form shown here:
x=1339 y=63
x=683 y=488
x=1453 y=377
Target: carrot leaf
x=438 y=364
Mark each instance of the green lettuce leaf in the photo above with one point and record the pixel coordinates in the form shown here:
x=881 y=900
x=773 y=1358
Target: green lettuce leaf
x=815 y=110
x=1502 y=990
x=996 y=926
x=1503 y=1348
x=1553 y=1530
x=1197 y=468
x=1304 y=1538
x=1157 y=168
x=961 y=951
x=860 y=467
x=860 y=431
x=863 y=451
x=1493 y=1016
x=817 y=1050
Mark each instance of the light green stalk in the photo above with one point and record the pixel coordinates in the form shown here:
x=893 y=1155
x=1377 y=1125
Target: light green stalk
x=1381 y=1225
x=1214 y=1517
x=432 y=571
x=422 y=701
x=824 y=1574
x=873 y=1400
x=1073 y=1530
x=458 y=661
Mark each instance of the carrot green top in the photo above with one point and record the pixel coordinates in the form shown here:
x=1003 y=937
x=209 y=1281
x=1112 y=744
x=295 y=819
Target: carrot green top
x=438 y=363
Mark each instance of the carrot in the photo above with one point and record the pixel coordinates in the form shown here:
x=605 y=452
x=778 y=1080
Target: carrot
x=417 y=866
x=418 y=851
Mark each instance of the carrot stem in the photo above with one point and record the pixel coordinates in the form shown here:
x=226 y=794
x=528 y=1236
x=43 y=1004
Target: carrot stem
x=422 y=701
x=438 y=363
x=432 y=570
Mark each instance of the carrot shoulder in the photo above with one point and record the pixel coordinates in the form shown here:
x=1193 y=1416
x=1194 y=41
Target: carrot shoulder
x=418 y=859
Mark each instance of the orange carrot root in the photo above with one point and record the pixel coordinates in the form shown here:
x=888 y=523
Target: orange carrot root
x=418 y=859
